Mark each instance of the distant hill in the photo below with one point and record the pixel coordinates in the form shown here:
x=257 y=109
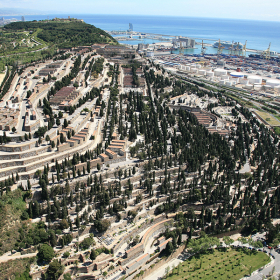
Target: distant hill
x=68 y=33
x=20 y=12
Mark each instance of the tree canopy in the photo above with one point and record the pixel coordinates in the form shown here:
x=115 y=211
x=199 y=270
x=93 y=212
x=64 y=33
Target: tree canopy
x=45 y=253
x=64 y=34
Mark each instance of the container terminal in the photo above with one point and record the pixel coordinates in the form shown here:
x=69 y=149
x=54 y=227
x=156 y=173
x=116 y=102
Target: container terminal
x=255 y=74
x=253 y=70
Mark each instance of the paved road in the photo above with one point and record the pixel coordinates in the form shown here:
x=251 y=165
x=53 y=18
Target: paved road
x=269 y=269
x=8 y=257
x=25 y=52
x=266 y=271
x=159 y=273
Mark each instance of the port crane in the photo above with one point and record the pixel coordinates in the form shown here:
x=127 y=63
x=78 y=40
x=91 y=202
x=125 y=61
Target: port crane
x=231 y=49
x=244 y=49
x=237 y=49
x=203 y=49
x=181 y=50
x=220 y=47
x=266 y=53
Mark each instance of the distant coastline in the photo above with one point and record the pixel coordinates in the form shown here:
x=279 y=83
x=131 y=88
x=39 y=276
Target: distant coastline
x=257 y=33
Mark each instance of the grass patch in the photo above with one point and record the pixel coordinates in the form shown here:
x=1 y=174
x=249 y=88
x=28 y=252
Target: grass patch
x=11 y=207
x=268 y=118
x=13 y=268
x=229 y=267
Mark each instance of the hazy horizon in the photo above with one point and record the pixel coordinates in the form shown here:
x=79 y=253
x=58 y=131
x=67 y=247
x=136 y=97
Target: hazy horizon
x=240 y=9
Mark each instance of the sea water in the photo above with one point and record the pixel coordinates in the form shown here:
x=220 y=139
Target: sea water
x=257 y=33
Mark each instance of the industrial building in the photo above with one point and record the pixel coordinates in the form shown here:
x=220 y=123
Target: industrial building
x=183 y=43
x=240 y=72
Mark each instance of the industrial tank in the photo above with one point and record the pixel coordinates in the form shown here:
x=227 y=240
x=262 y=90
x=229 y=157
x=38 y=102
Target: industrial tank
x=273 y=82
x=202 y=72
x=267 y=87
x=235 y=80
x=220 y=72
x=277 y=88
x=254 y=79
x=243 y=81
x=236 y=74
x=248 y=86
x=210 y=74
x=257 y=87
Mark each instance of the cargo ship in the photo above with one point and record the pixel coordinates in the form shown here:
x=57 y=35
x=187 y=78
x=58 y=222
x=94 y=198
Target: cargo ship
x=228 y=45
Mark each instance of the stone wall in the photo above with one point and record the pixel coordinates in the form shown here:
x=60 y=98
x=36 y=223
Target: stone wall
x=63 y=147
x=162 y=262
x=30 y=127
x=18 y=147
x=50 y=160
x=38 y=151
x=136 y=231
x=38 y=274
x=157 y=228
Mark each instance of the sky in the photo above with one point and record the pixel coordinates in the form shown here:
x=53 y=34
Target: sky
x=235 y=9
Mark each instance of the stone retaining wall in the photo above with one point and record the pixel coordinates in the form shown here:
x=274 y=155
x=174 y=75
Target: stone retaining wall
x=42 y=149
x=162 y=262
x=136 y=232
x=18 y=147
x=41 y=162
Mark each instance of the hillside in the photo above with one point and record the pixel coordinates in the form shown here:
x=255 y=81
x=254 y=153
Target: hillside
x=26 y=42
x=63 y=34
x=11 y=207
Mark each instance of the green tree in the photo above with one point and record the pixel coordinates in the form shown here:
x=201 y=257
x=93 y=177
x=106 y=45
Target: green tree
x=65 y=123
x=86 y=243
x=24 y=276
x=78 y=222
x=93 y=255
x=67 y=276
x=55 y=269
x=250 y=270
x=102 y=225
x=227 y=240
x=28 y=184
x=57 y=122
x=53 y=240
x=169 y=248
x=45 y=253
x=167 y=269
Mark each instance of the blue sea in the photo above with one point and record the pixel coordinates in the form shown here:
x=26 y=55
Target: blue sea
x=257 y=33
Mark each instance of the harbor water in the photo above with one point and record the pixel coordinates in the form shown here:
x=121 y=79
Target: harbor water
x=257 y=33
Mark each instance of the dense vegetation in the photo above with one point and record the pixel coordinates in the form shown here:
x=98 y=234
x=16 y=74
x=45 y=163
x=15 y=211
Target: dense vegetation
x=64 y=34
x=17 y=269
